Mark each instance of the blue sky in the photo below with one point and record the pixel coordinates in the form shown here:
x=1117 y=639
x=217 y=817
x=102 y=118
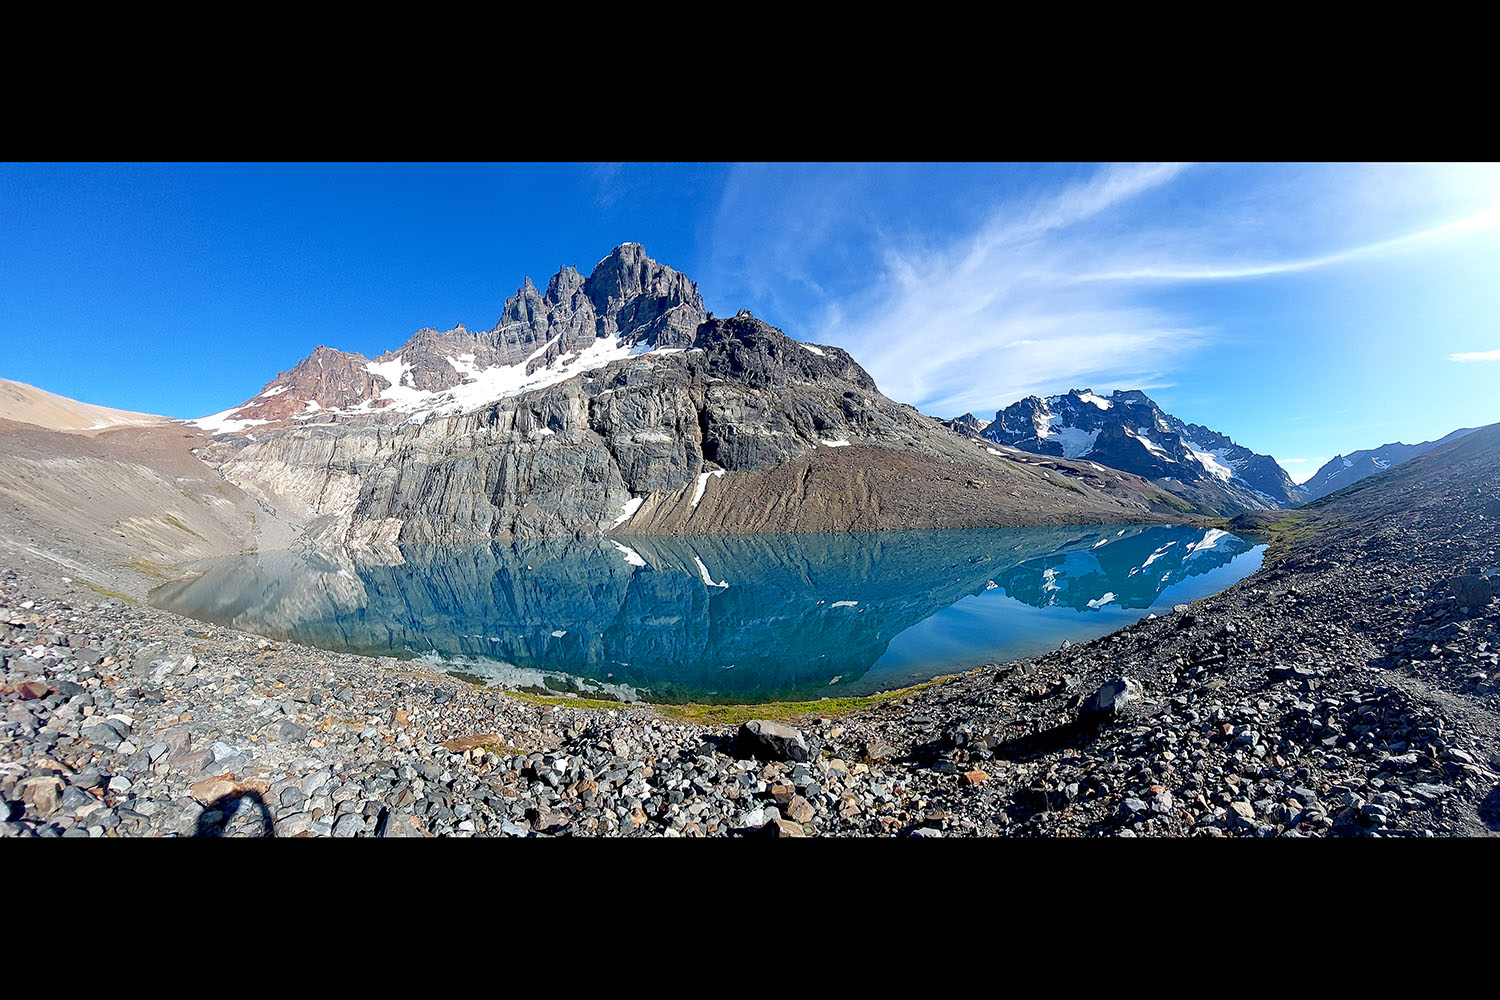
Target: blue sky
x=1302 y=309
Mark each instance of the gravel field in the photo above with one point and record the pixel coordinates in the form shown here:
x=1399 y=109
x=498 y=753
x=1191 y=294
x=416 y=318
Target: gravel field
x=1349 y=688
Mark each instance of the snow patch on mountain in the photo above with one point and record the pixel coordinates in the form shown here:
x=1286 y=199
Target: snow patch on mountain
x=1152 y=447
x=1203 y=466
x=224 y=422
x=1212 y=461
x=628 y=511
x=1075 y=443
x=703 y=484
x=483 y=386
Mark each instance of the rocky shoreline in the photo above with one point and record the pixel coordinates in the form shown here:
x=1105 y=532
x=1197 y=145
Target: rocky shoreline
x=1348 y=688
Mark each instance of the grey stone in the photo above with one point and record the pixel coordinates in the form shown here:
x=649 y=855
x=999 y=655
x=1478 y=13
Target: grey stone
x=1112 y=697
x=1473 y=592
x=348 y=825
x=296 y=823
x=402 y=824
x=772 y=741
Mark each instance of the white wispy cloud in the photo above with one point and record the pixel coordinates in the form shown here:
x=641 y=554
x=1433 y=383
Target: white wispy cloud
x=1485 y=219
x=1058 y=284
x=995 y=315
x=1476 y=356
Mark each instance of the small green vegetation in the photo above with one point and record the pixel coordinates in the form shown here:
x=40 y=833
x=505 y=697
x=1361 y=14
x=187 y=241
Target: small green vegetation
x=501 y=750
x=109 y=593
x=179 y=525
x=148 y=567
x=1286 y=532
x=726 y=715
x=474 y=680
x=544 y=699
x=1176 y=503
x=730 y=715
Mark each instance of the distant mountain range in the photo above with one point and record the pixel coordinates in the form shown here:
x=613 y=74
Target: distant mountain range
x=1129 y=432
x=1342 y=470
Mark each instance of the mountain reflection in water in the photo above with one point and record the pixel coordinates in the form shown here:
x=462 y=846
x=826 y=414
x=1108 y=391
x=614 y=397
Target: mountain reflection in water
x=721 y=618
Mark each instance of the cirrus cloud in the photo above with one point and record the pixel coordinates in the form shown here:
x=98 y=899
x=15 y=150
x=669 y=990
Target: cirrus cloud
x=1476 y=356
x=1044 y=279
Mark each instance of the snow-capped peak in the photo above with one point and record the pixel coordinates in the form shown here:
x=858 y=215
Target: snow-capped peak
x=1128 y=431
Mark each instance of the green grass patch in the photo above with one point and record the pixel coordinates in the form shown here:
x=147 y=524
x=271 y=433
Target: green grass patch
x=109 y=593
x=547 y=699
x=725 y=715
x=733 y=715
x=1176 y=503
x=473 y=680
x=1286 y=533
x=501 y=750
x=180 y=526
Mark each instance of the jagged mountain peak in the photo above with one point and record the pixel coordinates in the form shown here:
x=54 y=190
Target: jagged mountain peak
x=1127 y=430
x=628 y=304
x=967 y=425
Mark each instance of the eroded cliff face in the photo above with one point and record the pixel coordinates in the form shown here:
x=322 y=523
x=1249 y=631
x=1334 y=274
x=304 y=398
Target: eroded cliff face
x=743 y=430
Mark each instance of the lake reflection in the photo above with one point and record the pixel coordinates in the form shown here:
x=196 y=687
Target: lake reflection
x=722 y=618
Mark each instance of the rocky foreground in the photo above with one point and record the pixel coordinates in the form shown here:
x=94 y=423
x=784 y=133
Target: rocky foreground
x=1350 y=688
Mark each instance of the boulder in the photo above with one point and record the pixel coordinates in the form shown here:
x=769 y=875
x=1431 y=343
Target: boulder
x=768 y=740
x=1473 y=591
x=1112 y=697
x=32 y=690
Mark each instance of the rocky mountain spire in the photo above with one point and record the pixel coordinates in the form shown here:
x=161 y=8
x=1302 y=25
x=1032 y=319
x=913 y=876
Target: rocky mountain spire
x=629 y=301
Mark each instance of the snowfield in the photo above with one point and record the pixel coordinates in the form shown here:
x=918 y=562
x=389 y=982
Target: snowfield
x=481 y=386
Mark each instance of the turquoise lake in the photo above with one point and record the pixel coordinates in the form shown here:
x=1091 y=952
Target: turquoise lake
x=722 y=618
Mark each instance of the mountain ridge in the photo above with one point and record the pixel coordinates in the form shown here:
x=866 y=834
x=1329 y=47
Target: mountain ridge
x=27 y=404
x=628 y=304
x=743 y=430
x=1128 y=431
x=1344 y=470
